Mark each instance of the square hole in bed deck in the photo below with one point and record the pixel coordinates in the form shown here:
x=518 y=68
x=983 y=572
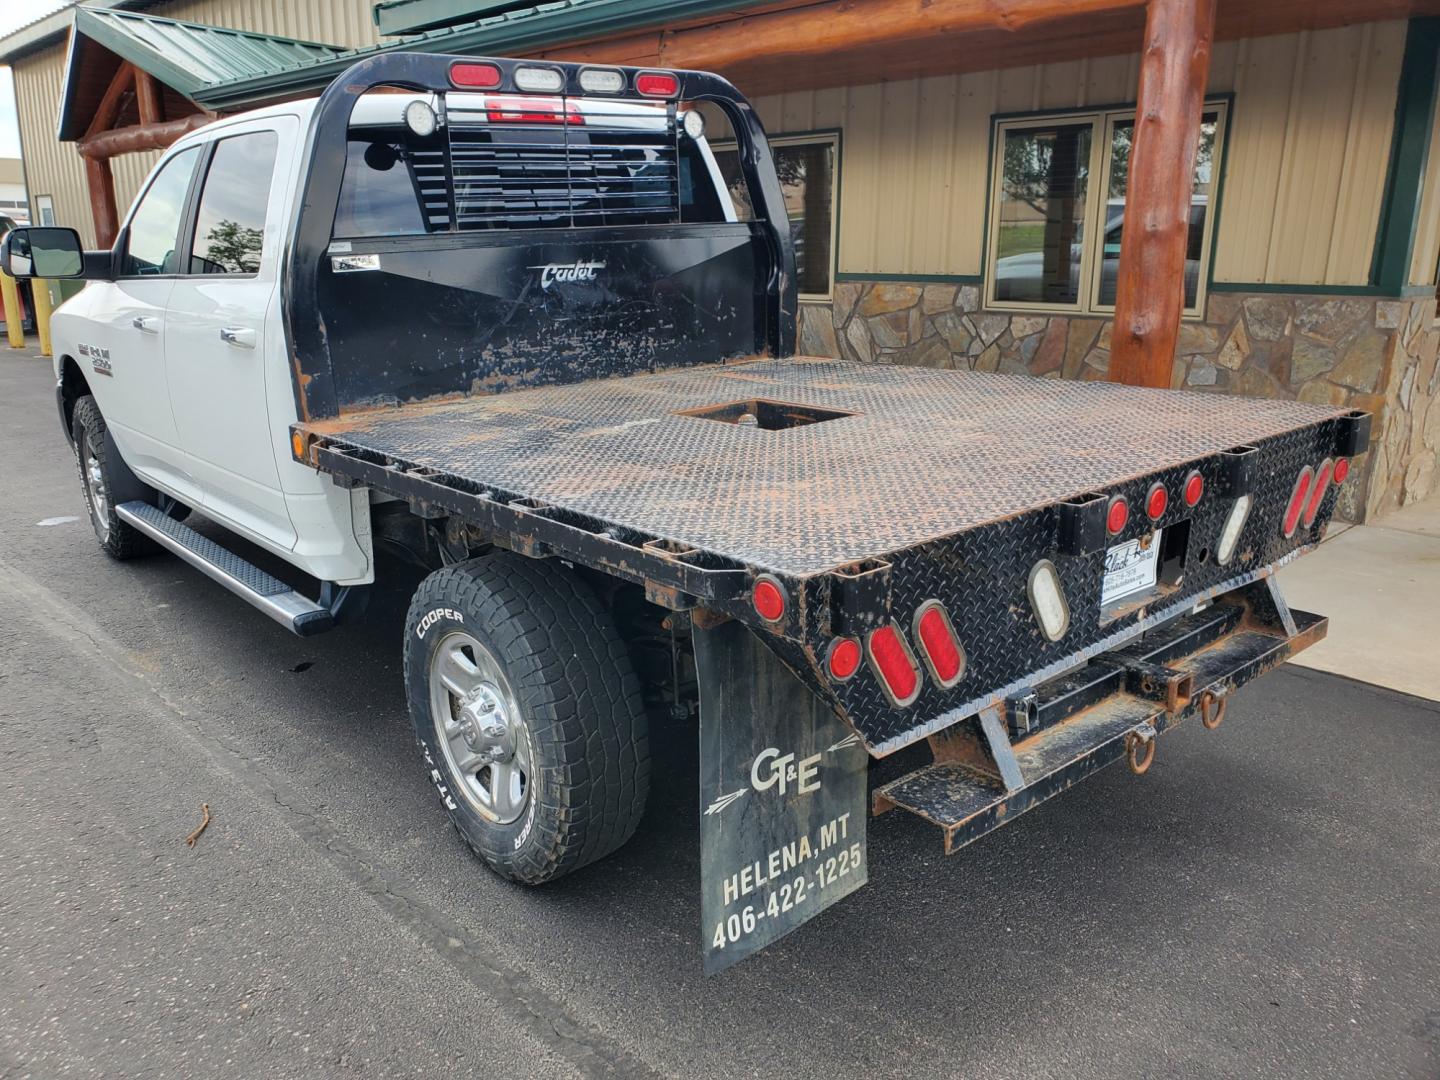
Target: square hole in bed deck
x=764 y=413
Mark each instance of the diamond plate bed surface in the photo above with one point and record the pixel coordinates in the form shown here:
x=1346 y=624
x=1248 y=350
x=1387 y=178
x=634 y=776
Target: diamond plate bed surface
x=928 y=453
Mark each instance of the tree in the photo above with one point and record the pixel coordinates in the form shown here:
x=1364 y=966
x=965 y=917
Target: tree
x=234 y=248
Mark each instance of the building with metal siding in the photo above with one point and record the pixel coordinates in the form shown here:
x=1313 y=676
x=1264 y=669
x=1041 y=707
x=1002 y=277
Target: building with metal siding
x=1310 y=284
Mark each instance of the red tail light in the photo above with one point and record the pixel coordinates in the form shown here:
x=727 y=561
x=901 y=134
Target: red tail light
x=894 y=664
x=943 y=653
x=657 y=84
x=843 y=660
x=768 y=596
x=475 y=76
x=1297 y=502
x=1156 y=500
x=1317 y=492
x=1342 y=470
x=1117 y=515
x=1194 y=488
x=527 y=110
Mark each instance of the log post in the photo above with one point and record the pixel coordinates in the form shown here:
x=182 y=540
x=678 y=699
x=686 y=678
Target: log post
x=1150 y=287
x=102 y=200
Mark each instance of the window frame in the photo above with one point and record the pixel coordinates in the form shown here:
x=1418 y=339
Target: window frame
x=822 y=137
x=1102 y=120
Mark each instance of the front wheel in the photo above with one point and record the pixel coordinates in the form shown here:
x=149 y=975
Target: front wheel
x=97 y=479
x=531 y=719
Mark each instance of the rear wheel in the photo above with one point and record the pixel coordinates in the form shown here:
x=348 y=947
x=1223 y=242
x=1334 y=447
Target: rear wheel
x=522 y=696
x=97 y=479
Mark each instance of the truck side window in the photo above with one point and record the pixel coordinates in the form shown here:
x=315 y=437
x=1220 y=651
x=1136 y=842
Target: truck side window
x=155 y=225
x=378 y=195
x=230 y=228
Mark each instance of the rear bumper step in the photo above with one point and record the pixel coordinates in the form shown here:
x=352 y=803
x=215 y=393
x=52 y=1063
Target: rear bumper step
x=292 y=610
x=1112 y=708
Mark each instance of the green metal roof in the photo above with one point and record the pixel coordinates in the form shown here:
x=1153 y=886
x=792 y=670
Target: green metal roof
x=187 y=57
x=508 y=33
x=409 y=16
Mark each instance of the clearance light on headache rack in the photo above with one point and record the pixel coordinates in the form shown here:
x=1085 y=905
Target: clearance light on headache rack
x=602 y=81
x=539 y=79
x=1047 y=599
x=1230 y=534
x=474 y=76
x=657 y=84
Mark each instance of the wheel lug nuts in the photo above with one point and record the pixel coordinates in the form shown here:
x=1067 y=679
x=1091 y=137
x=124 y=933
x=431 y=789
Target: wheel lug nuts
x=495 y=731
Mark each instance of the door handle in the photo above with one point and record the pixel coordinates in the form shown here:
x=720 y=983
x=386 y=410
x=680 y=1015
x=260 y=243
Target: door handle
x=146 y=324
x=240 y=336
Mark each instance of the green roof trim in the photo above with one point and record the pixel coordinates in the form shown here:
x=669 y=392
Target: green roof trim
x=190 y=58
x=505 y=34
x=397 y=17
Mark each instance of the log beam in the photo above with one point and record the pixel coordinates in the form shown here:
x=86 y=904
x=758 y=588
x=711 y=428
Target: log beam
x=128 y=140
x=1150 y=287
x=109 y=108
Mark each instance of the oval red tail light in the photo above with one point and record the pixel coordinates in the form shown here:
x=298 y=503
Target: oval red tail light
x=475 y=76
x=894 y=664
x=1297 y=502
x=943 y=653
x=1118 y=515
x=1342 y=470
x=657 y=84
x=1317 y=492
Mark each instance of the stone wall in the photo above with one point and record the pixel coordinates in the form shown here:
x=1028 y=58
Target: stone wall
x=1357 y=352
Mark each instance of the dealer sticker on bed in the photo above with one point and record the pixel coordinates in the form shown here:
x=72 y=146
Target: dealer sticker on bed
x=782 y=799
x=1130 y=567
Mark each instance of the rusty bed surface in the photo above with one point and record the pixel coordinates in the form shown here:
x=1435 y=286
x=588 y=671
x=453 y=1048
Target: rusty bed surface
x=925 y=454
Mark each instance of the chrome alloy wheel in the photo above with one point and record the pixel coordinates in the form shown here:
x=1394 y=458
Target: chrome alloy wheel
x=479 y=728
x=95 y=486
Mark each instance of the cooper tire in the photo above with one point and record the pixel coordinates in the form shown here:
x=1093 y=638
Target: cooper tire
x=97 y=480
x=514 y=669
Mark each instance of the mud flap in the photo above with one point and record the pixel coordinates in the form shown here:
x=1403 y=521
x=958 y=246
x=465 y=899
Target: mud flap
x=782 y=798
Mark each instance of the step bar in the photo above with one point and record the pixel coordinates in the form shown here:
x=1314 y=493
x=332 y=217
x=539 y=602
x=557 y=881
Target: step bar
x=292 y=610
x=1019 y=753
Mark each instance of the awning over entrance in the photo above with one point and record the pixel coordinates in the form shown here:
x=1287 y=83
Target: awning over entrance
x=183 y=58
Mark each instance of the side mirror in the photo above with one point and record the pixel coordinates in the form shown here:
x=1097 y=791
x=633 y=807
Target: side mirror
x=43 y=252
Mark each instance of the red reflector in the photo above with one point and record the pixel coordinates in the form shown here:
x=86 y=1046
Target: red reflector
x=844 y=658
x=1342 y=470
x=657 y=84
x=475 y=76
x=1297 y=502
x=1194 y=488
x=1117 y=515
x=769 y=599
x=894 y=664
x=1156 y=501
x=940 y=646
x=1317 y=492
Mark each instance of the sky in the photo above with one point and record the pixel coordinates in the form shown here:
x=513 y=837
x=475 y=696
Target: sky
x=13 y=15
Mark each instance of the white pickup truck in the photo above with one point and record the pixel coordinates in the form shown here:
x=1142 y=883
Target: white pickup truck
x=505 y=319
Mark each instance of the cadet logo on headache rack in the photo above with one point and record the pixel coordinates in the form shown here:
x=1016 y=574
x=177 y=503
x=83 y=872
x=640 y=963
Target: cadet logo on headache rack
x=566 y=273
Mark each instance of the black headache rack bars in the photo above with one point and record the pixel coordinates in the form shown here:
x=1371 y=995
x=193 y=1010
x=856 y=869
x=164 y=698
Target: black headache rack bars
x=319 y=392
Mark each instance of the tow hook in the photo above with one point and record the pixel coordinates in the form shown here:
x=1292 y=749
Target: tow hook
x=1213 y=704
x=1140 y=748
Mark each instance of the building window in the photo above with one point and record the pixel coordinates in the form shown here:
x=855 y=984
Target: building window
x=45 y=208
x=806 y=166
x=1058 y=210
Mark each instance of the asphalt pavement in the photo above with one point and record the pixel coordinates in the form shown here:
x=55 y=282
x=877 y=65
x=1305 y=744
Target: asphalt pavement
x=1264 y=902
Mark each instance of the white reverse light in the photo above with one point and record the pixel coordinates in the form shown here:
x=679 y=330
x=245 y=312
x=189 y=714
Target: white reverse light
x=1230 y=534
x=420 y=118
x=538 y=78
x=601 y=81
x=1048 y=600
x=694 y=124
